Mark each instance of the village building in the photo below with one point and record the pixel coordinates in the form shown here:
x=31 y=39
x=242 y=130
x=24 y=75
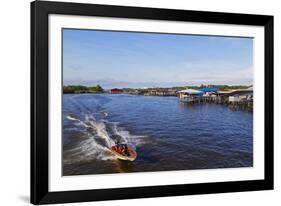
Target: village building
x=235 y=97
x=210 y=94
x=223 y=96
x=116 y=91
x=161 y=92
x=241 y=95
x=209 y=91
x=190 y=95
x=238 y=96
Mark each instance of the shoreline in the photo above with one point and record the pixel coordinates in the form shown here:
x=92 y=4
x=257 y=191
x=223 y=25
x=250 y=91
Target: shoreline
x=242 y=106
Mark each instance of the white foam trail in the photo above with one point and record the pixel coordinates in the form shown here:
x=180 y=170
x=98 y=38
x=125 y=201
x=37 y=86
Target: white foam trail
x=90 y=148
x=89 y=117
x=71 y=118
x=100 y=128
x=133 y=140
x=78 y=120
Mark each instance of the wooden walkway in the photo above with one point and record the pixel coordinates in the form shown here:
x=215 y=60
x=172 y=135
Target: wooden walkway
x=243 y=104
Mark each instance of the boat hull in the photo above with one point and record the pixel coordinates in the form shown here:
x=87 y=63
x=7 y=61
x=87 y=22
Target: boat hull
x=132 y=154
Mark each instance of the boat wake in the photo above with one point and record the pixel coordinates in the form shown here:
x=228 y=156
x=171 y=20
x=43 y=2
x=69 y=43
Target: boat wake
x=98 y=137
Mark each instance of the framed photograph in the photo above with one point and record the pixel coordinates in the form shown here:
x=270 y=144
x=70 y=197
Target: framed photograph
x=131 y=102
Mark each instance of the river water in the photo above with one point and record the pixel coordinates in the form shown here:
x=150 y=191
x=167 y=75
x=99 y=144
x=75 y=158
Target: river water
x=166 y=134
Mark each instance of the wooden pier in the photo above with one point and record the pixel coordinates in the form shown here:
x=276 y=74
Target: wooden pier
x=242 y=104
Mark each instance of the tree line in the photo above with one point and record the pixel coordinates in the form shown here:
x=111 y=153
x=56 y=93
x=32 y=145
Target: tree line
x=70 y=89
x=221 y=87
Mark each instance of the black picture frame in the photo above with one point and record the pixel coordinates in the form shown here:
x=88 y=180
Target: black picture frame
x=39 y=101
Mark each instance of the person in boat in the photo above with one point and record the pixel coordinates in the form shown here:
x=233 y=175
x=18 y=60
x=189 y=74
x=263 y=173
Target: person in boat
x=125 y=150
x=122 y=149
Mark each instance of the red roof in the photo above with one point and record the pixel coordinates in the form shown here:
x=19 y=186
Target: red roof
x=115 y=90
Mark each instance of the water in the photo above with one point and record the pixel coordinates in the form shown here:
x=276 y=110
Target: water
x=166 y=134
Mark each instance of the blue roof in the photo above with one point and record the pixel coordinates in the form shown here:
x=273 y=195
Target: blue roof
x=209 y=89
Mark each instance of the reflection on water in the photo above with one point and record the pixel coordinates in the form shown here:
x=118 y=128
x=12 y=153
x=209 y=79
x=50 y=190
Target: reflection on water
x=125 y=166
x=166 y=134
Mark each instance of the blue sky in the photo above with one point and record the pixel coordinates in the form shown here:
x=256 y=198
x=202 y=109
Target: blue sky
x=129 y=59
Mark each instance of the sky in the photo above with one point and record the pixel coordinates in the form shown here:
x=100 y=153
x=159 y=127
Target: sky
x=138 y=60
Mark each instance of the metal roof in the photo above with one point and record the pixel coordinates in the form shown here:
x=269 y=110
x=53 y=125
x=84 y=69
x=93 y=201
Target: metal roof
x=190 y=91
x=209 y=89
x=237 y=91
x=225 y=92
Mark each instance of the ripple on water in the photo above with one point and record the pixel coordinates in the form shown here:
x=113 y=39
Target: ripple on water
x=166 y=134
